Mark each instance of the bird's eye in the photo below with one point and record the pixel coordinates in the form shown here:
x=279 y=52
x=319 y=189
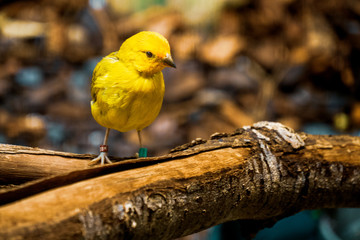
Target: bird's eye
x=149 y=54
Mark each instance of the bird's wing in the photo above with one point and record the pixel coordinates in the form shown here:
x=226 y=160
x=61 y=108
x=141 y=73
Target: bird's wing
x=100 y=79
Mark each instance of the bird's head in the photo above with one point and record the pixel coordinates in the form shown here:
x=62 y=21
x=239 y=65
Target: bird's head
x=148 y=52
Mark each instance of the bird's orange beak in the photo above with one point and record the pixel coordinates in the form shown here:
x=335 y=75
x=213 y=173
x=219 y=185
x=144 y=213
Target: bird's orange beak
x=169 y=61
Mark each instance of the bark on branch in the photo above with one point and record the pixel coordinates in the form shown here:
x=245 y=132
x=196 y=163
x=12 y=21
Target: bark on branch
x=258 y=174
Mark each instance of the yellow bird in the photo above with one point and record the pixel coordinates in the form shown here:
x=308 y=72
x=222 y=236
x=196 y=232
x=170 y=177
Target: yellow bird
x=127 y=87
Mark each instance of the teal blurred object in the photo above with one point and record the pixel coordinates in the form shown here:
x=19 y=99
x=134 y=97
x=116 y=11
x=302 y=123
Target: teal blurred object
x=319 y=129
x=97 y=4
x=215 y=233
x=78 y=91
x=31 y=77
x=356 y=133
x=325 y=230
x=3 y=138
x=301 y=226
x=344 y=224
x=143 y=152
x=55 y=133
x=90 y=65
x=333 y=224
x=79 y=79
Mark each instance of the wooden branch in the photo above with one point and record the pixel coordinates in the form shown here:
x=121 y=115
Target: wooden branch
x=258 y=174
x=20 y=164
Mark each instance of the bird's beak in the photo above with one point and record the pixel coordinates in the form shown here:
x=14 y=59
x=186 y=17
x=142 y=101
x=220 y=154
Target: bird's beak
x=169 y=61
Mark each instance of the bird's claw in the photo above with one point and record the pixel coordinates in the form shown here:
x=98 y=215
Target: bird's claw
x=102 y=158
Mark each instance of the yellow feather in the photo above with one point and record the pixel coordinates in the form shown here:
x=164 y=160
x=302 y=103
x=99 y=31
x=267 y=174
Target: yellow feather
x=127 y=86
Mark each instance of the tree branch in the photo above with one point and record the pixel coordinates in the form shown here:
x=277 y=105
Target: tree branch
x=258 y=174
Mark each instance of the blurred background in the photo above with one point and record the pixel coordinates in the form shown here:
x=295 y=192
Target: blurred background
x=238 y=62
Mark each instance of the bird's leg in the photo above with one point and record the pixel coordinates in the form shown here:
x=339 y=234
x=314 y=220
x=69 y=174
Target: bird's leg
x=139 y=136
x=142 y=151
x=103 y=151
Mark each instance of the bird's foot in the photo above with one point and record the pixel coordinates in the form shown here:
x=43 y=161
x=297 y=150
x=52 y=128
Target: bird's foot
x=102 y=156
